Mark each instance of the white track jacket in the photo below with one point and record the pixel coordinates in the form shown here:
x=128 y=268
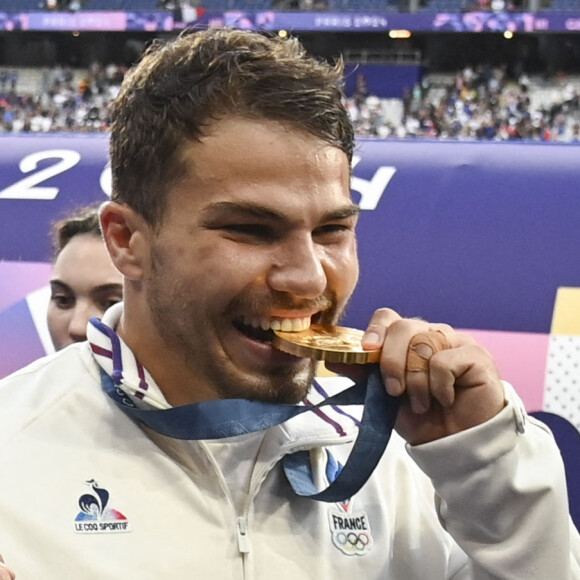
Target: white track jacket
x=87 y=494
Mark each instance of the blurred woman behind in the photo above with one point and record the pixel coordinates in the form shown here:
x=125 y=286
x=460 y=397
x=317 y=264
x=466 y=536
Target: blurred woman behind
x=84 y=282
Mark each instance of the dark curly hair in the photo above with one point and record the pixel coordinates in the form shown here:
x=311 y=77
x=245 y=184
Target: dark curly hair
x=181 y=86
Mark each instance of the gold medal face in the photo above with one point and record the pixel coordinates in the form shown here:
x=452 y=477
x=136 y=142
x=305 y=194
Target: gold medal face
x=336 y=344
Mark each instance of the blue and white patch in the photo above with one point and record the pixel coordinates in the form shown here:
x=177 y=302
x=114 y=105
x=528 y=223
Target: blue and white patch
x=351 y=531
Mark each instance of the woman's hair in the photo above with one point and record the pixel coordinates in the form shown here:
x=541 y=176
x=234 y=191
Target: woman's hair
x=84 y=220
x=180 y=87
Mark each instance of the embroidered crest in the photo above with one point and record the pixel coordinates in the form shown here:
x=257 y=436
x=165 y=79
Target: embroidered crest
x=351 y=530
x=96 y=517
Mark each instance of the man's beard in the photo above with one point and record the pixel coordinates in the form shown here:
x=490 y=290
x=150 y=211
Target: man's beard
x=170 y=308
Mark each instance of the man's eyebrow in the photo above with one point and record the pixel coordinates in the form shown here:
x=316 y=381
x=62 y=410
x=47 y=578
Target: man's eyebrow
x=223 y=208
x=251 y=210
x=345 y=212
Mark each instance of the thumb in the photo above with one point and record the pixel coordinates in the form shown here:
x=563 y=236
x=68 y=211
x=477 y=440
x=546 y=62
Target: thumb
x=5 y=572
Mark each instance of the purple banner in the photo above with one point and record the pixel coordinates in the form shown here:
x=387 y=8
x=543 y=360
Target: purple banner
x=375 y=21
x=298 y=21
x=478 y=234
x=86 y=21
x=40 y=179
x=384 y=80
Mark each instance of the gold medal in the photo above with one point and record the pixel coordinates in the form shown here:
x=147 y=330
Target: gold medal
x=335 y=344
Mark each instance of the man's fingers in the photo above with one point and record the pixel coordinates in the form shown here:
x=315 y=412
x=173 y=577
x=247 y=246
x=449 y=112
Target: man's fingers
x=426 y=362
x=421 y=383
x=400 y=350
x=394 y=353
x=418 y=389
x=422 y=347
x=5 y=572
x=377 y=327
x=466 y=366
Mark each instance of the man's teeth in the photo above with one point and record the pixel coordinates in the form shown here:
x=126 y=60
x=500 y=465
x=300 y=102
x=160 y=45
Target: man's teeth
x=283 y=324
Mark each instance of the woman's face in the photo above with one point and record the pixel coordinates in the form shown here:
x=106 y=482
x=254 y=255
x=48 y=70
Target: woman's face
x=84 y=284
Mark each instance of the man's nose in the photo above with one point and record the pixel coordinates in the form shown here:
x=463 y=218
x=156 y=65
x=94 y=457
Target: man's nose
x=298 y=269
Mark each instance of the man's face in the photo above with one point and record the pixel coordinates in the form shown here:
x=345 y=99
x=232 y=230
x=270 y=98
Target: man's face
x=258 y=235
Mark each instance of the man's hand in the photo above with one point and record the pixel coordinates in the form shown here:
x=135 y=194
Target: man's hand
x=458 y=389
x=5 y=572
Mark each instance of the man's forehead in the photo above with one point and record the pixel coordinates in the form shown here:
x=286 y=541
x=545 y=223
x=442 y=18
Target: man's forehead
x=235 y=131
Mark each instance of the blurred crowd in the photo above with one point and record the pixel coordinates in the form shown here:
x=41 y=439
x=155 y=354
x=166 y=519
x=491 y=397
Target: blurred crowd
x=59 y=5
x=63 y=102
x=480 y=103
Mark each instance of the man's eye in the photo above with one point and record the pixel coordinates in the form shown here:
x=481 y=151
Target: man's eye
x=332 y=231
x=250 y=230
x=332 y=228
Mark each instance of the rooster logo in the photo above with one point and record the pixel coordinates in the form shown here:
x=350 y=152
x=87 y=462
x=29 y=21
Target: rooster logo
x=93 y=506
x=96 y=514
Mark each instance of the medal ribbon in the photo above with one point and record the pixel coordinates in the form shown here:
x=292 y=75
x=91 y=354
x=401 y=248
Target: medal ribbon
x=223 y=418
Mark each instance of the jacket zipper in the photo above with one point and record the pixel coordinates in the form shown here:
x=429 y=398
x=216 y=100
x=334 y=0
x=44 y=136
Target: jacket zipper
x=244 y=543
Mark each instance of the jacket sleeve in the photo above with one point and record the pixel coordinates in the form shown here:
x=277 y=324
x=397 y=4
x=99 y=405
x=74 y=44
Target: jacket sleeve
x=501 y=494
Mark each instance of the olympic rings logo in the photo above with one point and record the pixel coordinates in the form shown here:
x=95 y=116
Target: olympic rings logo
x=352 y=541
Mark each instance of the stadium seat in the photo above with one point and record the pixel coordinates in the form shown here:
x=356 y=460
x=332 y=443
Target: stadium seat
x=20 y=5
x=218 y=4
x=445 y=5
x=126 y=5
x=251 y=5
x=243 y=5
x=565 y=5
x=362 y=5
x=103 y=5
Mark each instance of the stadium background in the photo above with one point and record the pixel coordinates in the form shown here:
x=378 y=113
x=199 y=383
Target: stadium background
x=482 y=234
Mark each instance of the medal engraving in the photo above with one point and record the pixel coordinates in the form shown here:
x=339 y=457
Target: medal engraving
x=336 y=344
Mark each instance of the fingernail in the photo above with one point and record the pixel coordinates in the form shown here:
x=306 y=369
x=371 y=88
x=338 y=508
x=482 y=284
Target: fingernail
x=371 y=339
x=418 y=405
x=393 y=386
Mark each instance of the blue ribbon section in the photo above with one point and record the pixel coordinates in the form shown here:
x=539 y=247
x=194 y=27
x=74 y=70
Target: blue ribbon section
x=222 y=418
x=376 y=426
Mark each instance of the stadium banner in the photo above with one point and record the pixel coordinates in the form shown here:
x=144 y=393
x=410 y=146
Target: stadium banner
x=423 y=21
x=545 y=21
x=87 y=21
x=481 y=235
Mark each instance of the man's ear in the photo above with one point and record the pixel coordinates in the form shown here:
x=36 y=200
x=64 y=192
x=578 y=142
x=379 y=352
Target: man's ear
x=127 y=237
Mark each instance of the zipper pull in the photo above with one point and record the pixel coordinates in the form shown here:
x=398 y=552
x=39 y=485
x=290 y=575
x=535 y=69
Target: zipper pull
x=243 y=536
